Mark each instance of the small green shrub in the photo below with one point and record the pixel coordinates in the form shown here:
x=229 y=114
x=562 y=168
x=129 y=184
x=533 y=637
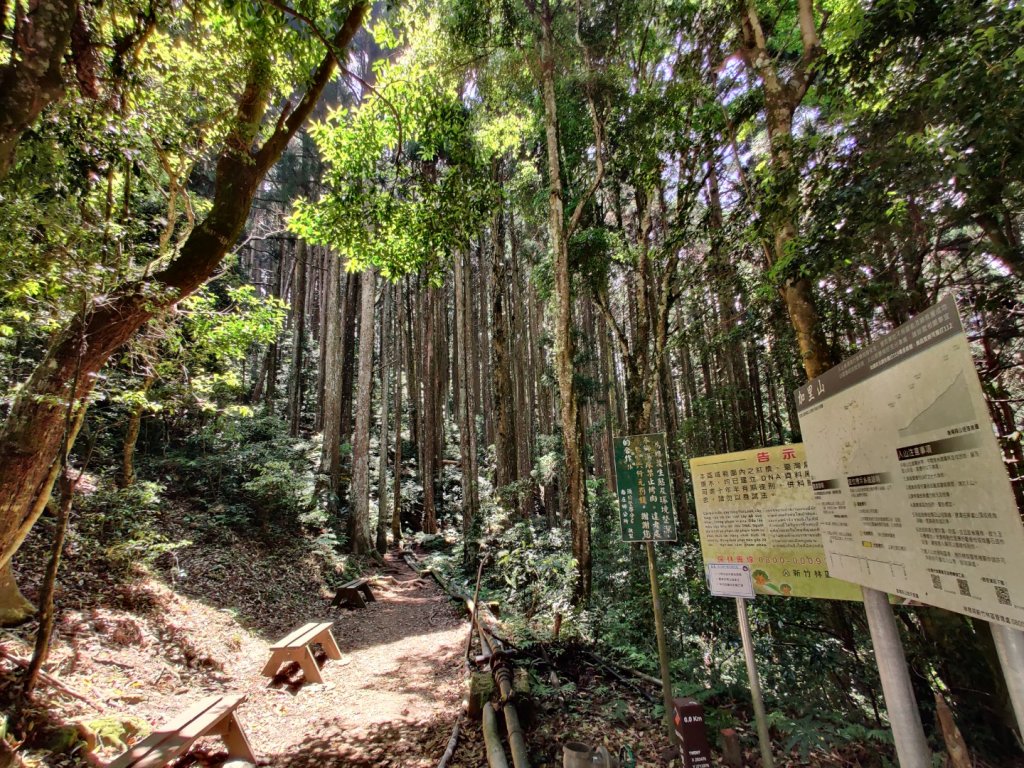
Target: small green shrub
x=249 y=470
x=121 y=523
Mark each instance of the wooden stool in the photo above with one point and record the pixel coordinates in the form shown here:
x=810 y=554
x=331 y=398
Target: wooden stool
x=213 y=716
x=295 y=647
x=352 y=594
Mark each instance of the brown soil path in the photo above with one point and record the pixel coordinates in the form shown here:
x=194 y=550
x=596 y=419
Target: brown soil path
x=390 y=701
x=401 y=674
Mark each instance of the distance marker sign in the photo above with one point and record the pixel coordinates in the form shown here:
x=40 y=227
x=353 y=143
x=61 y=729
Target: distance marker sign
x=645 y=488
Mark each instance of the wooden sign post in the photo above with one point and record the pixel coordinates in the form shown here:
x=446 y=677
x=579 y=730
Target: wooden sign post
x=646 y=514
x=692 y=733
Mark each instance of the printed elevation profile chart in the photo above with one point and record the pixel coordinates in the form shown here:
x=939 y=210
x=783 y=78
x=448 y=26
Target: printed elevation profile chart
x=912 y=495
x=953 y=406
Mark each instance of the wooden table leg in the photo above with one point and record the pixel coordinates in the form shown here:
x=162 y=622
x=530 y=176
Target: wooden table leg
x=308 y=663
x=273 y=665
x=326 y=639
x=236 y=741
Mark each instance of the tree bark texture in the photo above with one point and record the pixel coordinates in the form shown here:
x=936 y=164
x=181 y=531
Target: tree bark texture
x=360 y=532
x=330 y=453
x=506 y=469
x=396 y=500
x=781 y=98
x=298 y=340
x=387 y=342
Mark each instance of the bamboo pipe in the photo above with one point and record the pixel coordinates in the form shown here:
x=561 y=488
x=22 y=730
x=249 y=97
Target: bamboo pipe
x=516 y=742
x=495 y=752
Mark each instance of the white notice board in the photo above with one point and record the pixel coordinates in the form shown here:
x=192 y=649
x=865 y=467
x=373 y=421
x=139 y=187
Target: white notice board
x=912 y=493
x=730 y=580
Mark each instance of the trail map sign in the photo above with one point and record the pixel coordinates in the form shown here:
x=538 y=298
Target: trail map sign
x=645 y=488
x=757 y=508
x=912 y=492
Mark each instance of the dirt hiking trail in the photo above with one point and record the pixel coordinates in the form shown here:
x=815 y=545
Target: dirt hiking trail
x=148 y=650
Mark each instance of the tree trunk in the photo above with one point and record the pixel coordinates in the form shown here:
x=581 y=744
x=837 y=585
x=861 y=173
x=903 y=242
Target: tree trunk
x=575 y=488
x=131 y=436
x=387 y=343
x=298 y=340
x=266 y=381
x=505 y=469
x=360 y=533
x=323 y=320
x=49 y=586
x=330 y=453
x=465 y=411
x=396 y=514
x=524 y=404
x=348 y=353
x=428 y=440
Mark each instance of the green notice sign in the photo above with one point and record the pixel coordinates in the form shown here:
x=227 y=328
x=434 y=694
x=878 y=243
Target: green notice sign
x=645 y=488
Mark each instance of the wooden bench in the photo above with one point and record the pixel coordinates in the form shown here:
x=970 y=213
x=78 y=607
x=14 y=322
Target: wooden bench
x=295 y=647
x=352 y=594
x=213 y=716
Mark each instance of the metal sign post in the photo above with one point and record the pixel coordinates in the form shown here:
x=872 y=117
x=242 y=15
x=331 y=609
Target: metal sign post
x=1010 y=647
x=911 y=746
x=735 y=580
x=763 y=736
x=646 y=514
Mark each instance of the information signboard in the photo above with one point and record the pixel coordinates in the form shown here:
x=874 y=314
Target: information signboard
x=912 y=492
x=645 y=488
x=757 y=507
x=730 y=580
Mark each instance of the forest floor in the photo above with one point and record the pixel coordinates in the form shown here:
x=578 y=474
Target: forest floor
x=139 y=650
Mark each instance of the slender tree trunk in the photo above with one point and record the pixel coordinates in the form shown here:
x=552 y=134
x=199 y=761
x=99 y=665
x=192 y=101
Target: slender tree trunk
x=131 y=436
x=575 y=486
x=522 y=377
x=462 y=323
x=505 y=469
x=299 y=340
x=330 y=455
x=781 y=99
x=360 y=532
x=44 y=633
x=396 y=514
x=608 y=392
x=348 y=347
x=428 y=437
x=387 y=343
x=323 y=321
x=266 y=383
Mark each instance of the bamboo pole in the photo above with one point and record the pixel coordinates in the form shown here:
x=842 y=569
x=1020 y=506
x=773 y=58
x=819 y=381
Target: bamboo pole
x=495 y=752
x=516 y=741
x=476 y=597
x=659 y=629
